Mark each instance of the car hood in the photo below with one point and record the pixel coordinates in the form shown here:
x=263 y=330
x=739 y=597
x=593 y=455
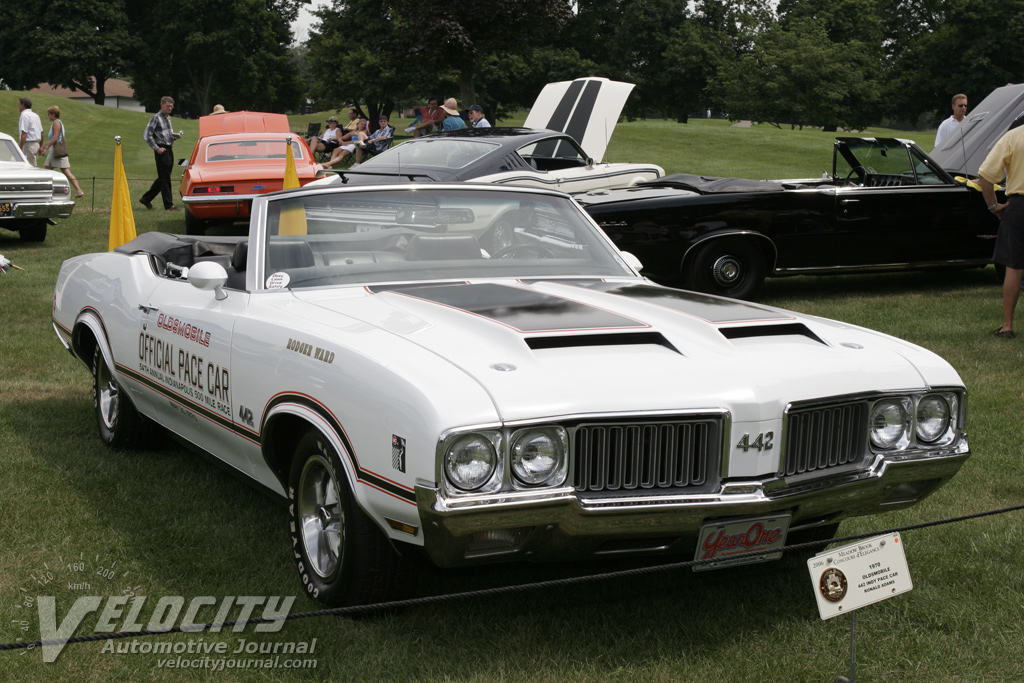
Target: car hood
x=586 y=109
x=556 y=348
x=964 y=150
x=17 y=170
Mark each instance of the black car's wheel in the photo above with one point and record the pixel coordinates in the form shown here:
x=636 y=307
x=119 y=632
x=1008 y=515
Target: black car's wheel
x=36 y=232
x=193 y=225
x=729 y=267
x=343 y=559
x=120 y=425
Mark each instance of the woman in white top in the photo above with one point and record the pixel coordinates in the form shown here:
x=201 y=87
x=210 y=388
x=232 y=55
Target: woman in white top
x=55 y=134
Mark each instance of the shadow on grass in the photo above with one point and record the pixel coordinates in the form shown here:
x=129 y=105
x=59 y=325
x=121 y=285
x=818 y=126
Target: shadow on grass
x=186 y=527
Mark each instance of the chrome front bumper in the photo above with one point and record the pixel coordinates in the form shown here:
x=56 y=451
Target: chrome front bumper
x=563 y=524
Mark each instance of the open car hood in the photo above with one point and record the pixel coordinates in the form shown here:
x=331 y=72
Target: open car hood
x=587 y=109
x=964 y=150
x=243 y=122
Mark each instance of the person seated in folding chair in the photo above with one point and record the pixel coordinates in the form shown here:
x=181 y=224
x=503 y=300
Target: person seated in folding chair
x=329 y=141
x=376 y=142
x=347 y=144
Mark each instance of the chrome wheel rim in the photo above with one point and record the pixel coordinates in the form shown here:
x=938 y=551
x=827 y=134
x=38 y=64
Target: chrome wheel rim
x=106 y=394
x=726 y=270
x=321 y=520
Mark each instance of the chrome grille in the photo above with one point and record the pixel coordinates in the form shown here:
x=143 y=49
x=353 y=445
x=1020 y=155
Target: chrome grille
x=824 y=437
x=667 y=455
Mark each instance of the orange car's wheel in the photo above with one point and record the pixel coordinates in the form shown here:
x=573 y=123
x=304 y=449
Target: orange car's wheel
x=193 y=225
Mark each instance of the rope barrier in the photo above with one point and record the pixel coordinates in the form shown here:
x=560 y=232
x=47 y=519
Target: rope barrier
x=492 y=592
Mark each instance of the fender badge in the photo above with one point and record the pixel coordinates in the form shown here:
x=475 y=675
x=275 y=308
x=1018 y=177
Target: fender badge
x=503 y=367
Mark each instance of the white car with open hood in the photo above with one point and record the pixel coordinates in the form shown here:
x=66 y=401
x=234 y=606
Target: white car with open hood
x=475 y=373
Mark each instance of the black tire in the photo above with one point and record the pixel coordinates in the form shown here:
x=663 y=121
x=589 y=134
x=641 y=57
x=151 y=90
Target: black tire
x=730 y=267
x=120 y=425
x=33 y=233
x=193 y=225
x=342 y=558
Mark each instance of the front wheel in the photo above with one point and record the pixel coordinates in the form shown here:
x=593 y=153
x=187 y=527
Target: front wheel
x=728 y=267
x=342 y=558
x=120 y=425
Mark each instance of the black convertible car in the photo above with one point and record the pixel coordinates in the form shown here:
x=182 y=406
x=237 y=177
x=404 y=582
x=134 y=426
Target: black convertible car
x=886 y=206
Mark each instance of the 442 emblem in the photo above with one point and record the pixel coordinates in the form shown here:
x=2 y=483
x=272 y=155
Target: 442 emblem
x=762 y=442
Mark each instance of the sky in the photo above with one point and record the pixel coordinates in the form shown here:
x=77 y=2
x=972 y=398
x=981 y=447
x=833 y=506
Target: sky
x=300 y=28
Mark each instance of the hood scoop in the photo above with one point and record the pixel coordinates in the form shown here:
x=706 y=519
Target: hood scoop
x=615 y=339
x=763 y=331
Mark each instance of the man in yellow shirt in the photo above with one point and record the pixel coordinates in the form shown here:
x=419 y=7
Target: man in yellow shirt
x=1007 y=155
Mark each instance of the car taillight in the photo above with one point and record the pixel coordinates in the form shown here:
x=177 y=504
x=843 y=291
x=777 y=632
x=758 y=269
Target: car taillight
x=215 y=189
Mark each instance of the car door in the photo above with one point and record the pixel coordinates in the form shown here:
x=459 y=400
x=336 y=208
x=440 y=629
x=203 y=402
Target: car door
x=185 y=342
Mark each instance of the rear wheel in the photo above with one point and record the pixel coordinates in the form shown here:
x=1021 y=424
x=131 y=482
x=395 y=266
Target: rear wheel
x=728 y=267
x=120 y=425
x=36 y=232
x=342 y=558
x=193 y=225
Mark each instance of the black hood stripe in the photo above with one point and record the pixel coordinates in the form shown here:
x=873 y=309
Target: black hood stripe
x=523 y=310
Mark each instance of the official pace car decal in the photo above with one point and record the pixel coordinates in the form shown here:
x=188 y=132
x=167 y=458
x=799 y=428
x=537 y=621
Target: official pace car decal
x=180 y=371
x=521 y=309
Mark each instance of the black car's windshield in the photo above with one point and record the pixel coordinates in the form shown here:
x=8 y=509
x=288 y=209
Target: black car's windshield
x=430 y=233
x=883 y=162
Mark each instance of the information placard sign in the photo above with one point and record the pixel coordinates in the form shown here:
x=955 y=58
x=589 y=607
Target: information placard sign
x=859 y=574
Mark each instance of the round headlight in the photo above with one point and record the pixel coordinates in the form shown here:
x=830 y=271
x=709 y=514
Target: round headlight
x=470 y=461
x=537 y=454
x=932 y=418
x=889 y=423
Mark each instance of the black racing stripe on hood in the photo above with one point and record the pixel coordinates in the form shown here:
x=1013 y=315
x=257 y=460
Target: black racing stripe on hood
x=522 y=309
x=560 y=116
x=712 y=309
x=577 y=127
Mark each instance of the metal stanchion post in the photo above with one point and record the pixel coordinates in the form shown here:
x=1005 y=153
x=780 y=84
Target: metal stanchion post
x=853 y=651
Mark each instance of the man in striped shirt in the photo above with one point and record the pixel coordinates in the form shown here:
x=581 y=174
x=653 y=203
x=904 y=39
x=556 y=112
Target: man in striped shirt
x=161 y=136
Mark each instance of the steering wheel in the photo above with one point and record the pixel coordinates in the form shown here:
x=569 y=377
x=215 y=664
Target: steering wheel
x=510 y=251
x=855 y=169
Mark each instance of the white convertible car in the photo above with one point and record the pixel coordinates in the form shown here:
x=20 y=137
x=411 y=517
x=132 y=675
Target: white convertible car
x=475 y=374
x=30 y=198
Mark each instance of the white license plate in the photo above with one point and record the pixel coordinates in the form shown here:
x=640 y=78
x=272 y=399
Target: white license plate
x=730 y=542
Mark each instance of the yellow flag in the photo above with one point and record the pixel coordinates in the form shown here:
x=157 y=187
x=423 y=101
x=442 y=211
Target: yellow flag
x=293 y=216
x=122 y=220
x=291 y=178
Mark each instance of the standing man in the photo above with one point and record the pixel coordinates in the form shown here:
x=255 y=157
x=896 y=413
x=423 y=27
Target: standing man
x=1008 y=155
x=160 y=136
x=476 y=115
x=950 y=124
x=31 y=129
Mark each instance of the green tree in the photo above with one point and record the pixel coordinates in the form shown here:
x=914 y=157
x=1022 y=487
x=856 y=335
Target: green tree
x=457 y=35
x=76 y=44
x=201 y=52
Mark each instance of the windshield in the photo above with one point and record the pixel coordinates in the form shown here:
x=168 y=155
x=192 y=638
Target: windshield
x=250 y=149
x=883 y=163
x=438 y=152
x=430 y=234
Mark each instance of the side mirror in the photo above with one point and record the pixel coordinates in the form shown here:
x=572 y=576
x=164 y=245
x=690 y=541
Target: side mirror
x=631 y=261
x=208 y=275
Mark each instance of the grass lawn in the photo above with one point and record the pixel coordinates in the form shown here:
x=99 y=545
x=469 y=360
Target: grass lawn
x=77 y=519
